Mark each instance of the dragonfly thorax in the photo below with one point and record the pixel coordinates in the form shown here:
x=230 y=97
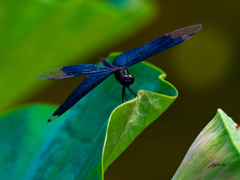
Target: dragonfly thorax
x=124 y=77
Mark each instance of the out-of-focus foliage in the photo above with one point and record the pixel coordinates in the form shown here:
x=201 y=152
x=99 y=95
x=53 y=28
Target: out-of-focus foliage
x=42 y=34
x=215 y=154
x=84 y=142
x=23 y=132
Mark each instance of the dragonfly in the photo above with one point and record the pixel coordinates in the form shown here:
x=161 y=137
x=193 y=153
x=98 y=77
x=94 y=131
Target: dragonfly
x=97 y=73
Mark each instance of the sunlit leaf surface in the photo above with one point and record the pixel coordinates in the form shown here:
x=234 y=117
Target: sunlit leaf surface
x=215 y=154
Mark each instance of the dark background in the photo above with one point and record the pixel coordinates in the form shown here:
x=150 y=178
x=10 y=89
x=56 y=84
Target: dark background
x=205 y=70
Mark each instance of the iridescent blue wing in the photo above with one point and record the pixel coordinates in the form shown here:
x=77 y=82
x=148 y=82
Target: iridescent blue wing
x=85 y=87
x=75 y=70
x=160 y=44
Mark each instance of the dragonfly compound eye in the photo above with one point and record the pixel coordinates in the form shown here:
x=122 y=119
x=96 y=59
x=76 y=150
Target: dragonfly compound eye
x=127 y=79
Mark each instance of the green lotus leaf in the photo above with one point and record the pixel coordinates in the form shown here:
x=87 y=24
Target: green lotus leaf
x=215 y=154
x=43 y=34
x=89 y=137
x=22 y=133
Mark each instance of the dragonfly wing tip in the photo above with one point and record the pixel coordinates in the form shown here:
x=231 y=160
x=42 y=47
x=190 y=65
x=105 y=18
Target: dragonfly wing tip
x=39 y=76
x=53 y=118
x=185 y=33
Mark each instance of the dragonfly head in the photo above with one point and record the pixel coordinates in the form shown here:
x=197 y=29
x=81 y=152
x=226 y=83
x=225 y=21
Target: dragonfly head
x=126 y=80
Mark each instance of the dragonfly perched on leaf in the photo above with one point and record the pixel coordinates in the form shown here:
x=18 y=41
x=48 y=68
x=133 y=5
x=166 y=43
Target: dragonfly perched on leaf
x=96 y=73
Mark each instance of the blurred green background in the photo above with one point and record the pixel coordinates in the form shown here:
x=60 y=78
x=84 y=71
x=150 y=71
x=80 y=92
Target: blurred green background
x=44 y=34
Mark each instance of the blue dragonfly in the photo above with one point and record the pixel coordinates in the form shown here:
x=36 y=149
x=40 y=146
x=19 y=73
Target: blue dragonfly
x=96 y=74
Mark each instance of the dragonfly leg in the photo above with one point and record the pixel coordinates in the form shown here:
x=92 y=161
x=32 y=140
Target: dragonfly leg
x=124 y=95
x=132 y=92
